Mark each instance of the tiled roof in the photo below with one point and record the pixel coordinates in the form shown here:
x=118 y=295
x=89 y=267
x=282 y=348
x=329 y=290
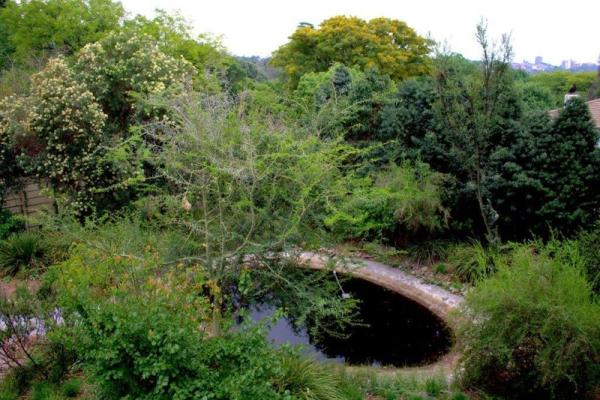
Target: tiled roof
x=595 y=110
x=594 y=106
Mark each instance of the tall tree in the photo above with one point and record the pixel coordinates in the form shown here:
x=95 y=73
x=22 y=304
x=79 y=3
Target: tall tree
x=388 y=45
x=471 y=112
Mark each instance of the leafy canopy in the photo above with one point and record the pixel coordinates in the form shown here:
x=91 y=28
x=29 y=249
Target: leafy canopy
x=40 y=28
x=388 y=45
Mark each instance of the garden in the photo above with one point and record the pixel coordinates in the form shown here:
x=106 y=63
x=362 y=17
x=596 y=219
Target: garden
x=188 y=186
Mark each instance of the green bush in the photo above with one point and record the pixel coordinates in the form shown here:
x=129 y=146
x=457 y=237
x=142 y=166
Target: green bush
x=400 y=201
x=589 y=249
x=531 y=330
x=24 y=250
x=149 y=333
x=10 y=223
x=42 y=391
x=71 y=388
x=8 y=387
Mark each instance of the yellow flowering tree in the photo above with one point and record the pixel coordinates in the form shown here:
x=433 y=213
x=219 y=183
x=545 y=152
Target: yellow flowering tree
x=388 y=45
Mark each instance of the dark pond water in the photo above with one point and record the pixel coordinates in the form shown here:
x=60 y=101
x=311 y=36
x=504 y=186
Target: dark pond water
x=394 y=331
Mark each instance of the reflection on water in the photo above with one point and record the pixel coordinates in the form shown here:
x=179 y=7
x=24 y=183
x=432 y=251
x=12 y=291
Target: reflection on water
x=393 y=331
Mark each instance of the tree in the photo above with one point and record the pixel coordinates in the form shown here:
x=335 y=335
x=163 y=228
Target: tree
x=535 y=96
x=547 y=178
x=472 y=113
x=59 y=136
x=41 y=28
x=390 y=46
x=408 y=115
x=594 y=91
x=11 y=110
x=174 y=37
x=123 y=65
x=569 y=168
x=559 y=82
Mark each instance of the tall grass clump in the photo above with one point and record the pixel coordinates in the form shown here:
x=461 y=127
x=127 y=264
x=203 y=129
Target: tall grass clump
x=472 y=261
x=306 y=379
x=532 y=330
x=24 y=250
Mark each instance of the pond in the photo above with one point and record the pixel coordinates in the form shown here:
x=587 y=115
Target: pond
x=394 y=331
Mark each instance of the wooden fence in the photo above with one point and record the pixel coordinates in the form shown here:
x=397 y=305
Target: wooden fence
x=28 y=200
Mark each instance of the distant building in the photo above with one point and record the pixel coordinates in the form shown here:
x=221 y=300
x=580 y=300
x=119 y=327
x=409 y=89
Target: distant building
x=539 y=60
x=567 y=64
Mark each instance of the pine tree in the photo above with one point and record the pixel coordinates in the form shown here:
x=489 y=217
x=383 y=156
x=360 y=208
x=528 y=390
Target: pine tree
x=549 y=177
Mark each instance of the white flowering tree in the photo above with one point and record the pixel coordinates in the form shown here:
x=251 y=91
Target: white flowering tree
x=11 y=111
x=125 y=65
x=63 y=132
x=77 y=130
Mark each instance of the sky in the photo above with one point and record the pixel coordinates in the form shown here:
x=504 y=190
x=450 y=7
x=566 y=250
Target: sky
x=556 y=30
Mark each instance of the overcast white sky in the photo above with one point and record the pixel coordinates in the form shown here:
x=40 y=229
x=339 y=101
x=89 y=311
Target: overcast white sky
x=556 y=30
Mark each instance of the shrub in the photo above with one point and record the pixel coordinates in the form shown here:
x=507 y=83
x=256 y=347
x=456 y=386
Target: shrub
x=72 y=387
x=400 y=201
x=149 y=334
x=42 y=391
x=24 y=250
x=55 y=134
x=10 y=223
x=589 y=249
x=530 y=331
x=125 y=63
x=8 y=387
x=253 y=185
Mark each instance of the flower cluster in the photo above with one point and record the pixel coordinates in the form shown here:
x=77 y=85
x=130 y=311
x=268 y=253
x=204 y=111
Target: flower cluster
x=76 y=130
x=123 y=65
x=69 y=123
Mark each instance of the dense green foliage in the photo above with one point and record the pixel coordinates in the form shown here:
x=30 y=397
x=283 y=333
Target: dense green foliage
x=400 y=204
x=36 y=29
x=531 y=330
x=162 y=352
x=388 y=45
x=554 y=86
x=548 y=176
x=187 y=181
x=10 y=223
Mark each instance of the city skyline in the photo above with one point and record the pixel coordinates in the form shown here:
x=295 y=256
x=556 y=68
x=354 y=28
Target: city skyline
x=539 y=64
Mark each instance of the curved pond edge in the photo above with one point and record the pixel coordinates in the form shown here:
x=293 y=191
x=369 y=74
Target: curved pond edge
x=437 y=300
